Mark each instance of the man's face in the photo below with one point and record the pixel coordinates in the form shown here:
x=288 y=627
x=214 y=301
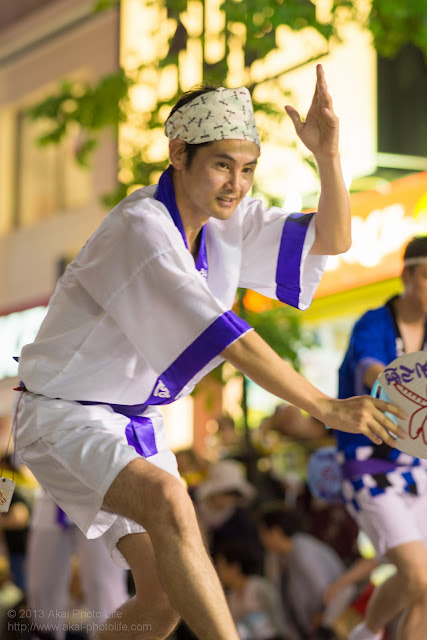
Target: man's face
x=270 y=538
x=415 y=281
x=218 y=178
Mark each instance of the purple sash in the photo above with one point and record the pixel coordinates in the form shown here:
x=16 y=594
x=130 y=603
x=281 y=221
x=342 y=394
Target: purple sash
x=354 y=468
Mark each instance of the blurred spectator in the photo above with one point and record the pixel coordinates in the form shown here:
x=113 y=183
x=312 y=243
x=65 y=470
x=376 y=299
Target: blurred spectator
x=224 y=442
x=333 y=525
x=14 y=524
x=254 y=603
x=53 y=541
x=302 y=568
x=330 y=523
x=292 y=422
x=222 y=503
x=191 y=469
x=10 y=595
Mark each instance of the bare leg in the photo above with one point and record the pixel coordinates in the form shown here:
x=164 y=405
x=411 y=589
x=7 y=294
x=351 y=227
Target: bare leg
x=149 y=614
x=406 y=589
x=160 y=503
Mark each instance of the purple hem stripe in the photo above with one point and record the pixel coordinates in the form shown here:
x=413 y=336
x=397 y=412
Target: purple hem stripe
x=222 y=332
x=289 y=261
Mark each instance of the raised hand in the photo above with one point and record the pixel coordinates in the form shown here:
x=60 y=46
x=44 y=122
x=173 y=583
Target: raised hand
x=320 y=129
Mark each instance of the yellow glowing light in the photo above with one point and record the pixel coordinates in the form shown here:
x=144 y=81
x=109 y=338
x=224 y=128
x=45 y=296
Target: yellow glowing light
x=214 y=50
x=143 y=97
x=192 y=19
x=190 y=64
x=158 y=148
x=215 y=18
x=138 y=22
x=168 y=82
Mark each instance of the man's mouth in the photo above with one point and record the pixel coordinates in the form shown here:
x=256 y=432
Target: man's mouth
x=226 y=199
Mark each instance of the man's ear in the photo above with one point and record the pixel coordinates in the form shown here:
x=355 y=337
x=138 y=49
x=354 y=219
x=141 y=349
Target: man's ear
x=405 y=275
x=177 y=153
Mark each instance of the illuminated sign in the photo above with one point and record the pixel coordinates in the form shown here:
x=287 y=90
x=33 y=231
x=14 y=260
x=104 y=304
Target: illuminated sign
x=16 y=330
x=382 y=223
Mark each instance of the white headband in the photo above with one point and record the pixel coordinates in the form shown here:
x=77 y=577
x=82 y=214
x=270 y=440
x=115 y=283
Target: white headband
x=217 y=115
x=410 y=262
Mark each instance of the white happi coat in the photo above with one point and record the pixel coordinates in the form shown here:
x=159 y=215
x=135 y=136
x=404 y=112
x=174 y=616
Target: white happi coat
x=133 y=321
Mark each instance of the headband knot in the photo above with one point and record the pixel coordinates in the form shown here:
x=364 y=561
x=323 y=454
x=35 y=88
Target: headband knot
x=221 y=114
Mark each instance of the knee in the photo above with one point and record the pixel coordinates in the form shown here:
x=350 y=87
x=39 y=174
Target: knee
x=159 y=622
x=167 y=621
x=171 y=506
x=415 y=581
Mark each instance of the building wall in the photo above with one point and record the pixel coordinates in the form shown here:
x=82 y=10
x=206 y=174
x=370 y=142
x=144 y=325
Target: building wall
x=60 y=39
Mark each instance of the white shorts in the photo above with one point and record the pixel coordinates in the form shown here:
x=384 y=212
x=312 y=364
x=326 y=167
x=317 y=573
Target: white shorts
x=75 y=452
x=391 y=519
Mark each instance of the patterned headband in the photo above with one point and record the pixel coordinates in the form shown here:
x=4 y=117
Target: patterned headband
x=217 y=115
x=411 y=262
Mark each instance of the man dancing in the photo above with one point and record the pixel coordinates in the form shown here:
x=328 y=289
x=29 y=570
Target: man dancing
x=142 y=314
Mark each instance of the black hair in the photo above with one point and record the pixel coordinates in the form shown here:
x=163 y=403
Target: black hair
x=286 y=519
x=416 y=248
x=241 y=552
x=188 y=96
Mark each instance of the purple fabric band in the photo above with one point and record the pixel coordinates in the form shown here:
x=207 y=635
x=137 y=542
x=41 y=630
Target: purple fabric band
x=353 y=468
x=222 y=332
x=140 y=435
x=61 y=518
x=125 y=409
x=140 y=429
x=288 y=272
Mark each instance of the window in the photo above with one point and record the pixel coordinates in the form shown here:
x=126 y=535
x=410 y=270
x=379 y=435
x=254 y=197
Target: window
x=402 y=101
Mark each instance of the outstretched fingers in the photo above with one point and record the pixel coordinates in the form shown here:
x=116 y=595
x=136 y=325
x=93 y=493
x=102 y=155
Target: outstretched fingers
x=392 y=430
x=366 y=415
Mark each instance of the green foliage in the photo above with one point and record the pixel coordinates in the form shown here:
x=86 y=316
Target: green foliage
x=280 y=326
x=102 y=5
x=394 y=24
x=92 y=107
x=102 y=105
x=281 y=329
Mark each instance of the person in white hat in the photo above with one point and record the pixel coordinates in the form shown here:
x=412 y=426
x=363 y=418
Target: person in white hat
x=142 y=314
x=223 y=505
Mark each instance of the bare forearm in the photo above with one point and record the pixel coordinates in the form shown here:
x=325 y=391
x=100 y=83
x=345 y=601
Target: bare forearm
x=333 y=218
x=253 y=357
x=372 y=374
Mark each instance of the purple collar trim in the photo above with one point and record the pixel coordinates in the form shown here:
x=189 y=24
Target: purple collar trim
x=165 y=193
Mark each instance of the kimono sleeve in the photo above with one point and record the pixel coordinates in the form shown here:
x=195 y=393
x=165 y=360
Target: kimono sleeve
x=276 y=261
x=140 y=272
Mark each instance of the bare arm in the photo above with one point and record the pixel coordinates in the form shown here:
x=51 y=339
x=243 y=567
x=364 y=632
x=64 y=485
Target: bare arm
x=253 y=357
x=371 y=374
x=290 y=421
x=360 y=570
x=320 y=134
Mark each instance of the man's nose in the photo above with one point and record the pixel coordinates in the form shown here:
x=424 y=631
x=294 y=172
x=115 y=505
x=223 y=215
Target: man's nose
x=233 y=182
